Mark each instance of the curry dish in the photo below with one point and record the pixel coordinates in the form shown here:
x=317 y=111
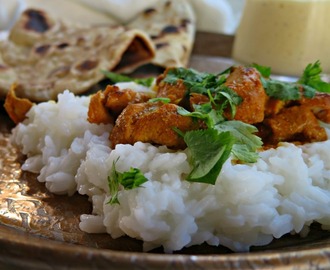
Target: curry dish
x=137 y=120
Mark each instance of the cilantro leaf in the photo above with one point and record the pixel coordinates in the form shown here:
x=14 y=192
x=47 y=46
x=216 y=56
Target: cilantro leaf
x=212 y=112
x=115 y=78
x=308 y=91
x=132 y=178
x=312 y=77
x=281 y=90
x=307 y=85
x=114 y=184
x=196 y=82
x=224 y=97
x=161 y=99
x=243 y=132
x=188 y=75
x=243 y=152
x=210 y=148
x=207 y=84
x=203 y=112
x=208 y=158
x=264 y=71
x=128 y=180
x=246 y=142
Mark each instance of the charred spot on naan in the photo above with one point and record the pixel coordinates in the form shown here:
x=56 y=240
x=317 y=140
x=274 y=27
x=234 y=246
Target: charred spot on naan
x=170 y=29
x=62 y=45
x=37 y=21
x=43 y=49
x=149 y=11
x=87 y=65
x=185 y=23
x=32 y=26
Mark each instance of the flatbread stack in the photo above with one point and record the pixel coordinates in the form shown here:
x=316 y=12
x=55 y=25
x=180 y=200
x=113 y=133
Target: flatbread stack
x=44 y=56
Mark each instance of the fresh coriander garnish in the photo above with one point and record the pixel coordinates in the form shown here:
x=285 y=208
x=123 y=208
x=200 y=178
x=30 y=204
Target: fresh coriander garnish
x=115 y=78
x=160 y=99
x=246 y=142
x=212 y=112
x=308 y=84
x=312 y=77
x=209 y=150
x=275 y=88
x=128 y=180
x=281 y=90
x=264 y=71
x=196 y=82
x=211 y=147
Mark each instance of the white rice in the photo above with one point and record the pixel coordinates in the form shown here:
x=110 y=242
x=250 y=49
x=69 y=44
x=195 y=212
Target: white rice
x=284 y=192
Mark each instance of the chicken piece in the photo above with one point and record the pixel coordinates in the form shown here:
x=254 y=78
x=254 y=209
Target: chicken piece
x=151 y=123
x=245 y=81
x=320 y=106
x=16 y=107
x=175 y=92
x=117 y=99
x=97 y=112
x=296 y=123
x=274 y=106
x=106 y=105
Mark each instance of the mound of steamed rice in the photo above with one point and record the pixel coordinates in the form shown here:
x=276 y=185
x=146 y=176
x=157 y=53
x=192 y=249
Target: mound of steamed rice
x=250 y=204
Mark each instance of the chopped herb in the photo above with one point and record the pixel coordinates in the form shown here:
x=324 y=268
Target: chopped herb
x=308 y=91
x=264 y=71
x=114 y=185
x=224 y=97
x=115 y=78
x=311 y=77
x=196 y=82
x=161 y=99
x=281 y=90
x=211 y=147
x=308 y=84
x=204 y=114
x=212 y=112
x=246 y=142
x=128 y=180
x=209 y=150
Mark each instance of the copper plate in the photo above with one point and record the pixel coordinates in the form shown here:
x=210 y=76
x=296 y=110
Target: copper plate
x=39 y=230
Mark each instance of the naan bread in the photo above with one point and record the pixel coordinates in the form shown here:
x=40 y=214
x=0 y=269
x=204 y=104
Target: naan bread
x=70 y=11
x=44 y=56
x=171 y=25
